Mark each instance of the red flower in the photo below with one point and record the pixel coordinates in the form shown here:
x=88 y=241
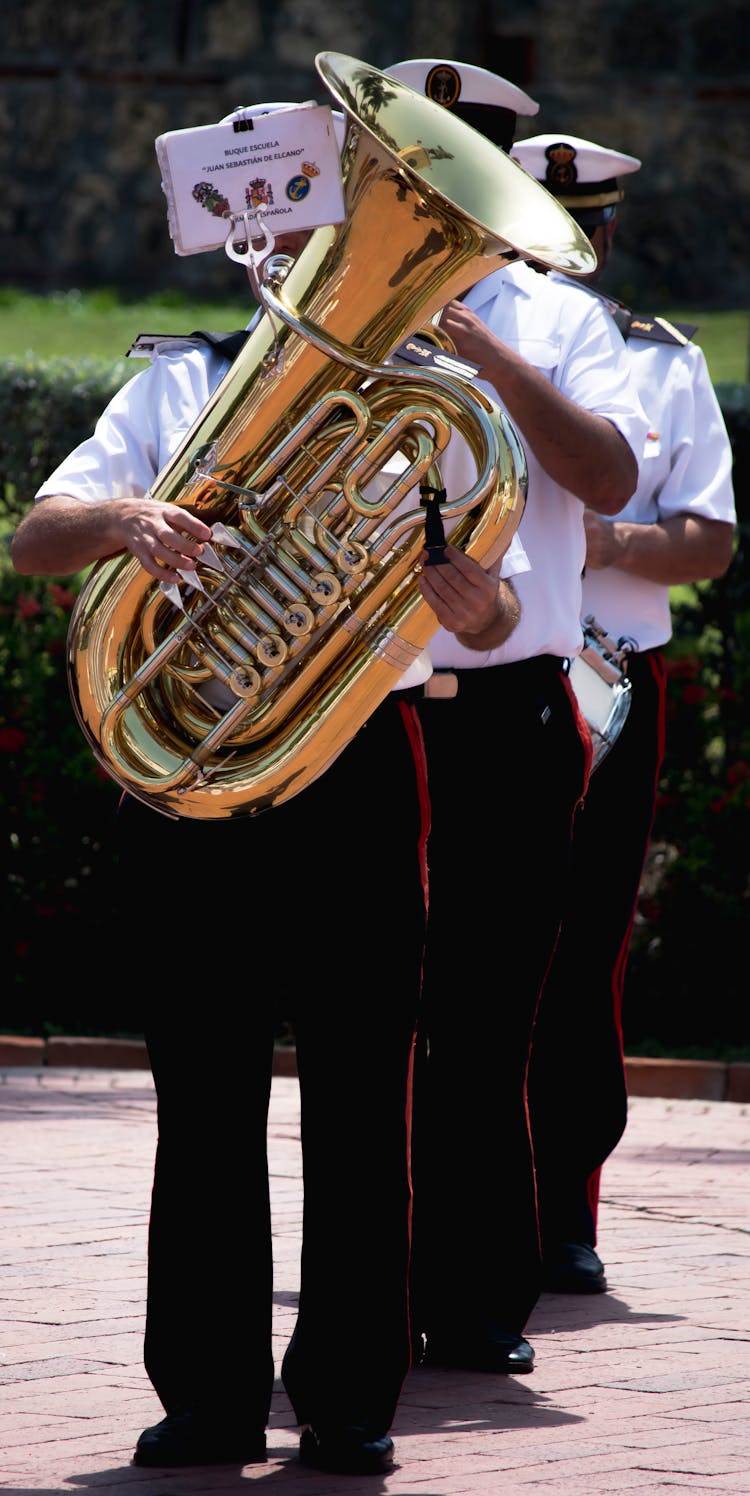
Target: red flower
x=664 y=801
x=737 y=772
x=694 y=695
x=686 y=669
x=62 y=596
x=28 y=607
x=11 y=739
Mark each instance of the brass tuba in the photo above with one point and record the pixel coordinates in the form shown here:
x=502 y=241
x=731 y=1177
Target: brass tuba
x=223 y=696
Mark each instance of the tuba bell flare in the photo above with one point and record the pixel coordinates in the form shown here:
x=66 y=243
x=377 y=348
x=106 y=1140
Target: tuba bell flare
x=228 y=693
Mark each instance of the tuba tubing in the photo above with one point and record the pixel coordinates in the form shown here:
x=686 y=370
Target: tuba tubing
x=228 y=693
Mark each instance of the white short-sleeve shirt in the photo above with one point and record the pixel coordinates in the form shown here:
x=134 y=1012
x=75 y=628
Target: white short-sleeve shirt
x=686 y=469
x=569 y=337
x=144 y=425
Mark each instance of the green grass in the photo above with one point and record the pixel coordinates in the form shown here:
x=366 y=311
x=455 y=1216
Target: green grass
x=725 y=340
x=103 y=324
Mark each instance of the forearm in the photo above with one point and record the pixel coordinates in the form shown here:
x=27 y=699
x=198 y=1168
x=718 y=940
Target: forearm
x=499 y=628
x=583 y=452
x=62 y=535
x=673 y=552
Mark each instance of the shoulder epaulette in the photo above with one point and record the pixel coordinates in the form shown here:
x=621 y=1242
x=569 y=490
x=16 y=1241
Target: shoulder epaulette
x=659 y=330
x=228 y=344
x=637 y=325
x=419 y=349
x=622 y=317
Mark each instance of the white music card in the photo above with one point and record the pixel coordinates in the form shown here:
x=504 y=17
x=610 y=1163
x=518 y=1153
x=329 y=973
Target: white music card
x=284 y=164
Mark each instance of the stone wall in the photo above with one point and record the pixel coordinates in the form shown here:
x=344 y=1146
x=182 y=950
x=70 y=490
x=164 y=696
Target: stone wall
x=87 y=89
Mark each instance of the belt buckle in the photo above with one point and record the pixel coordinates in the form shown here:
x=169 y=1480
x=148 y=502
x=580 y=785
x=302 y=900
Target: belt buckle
x=442 y=686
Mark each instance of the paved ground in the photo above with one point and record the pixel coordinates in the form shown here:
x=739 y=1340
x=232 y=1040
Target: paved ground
x=643 y=1389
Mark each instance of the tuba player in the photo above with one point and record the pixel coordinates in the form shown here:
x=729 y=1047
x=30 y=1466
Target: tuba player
x=313 y=911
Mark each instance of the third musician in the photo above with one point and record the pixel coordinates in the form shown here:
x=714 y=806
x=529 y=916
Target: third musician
x=677 y=527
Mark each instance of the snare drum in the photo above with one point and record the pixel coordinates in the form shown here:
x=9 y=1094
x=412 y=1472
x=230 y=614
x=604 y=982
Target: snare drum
x=603 y=691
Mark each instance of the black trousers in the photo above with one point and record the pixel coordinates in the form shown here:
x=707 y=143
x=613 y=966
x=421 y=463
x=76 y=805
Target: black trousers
x=577 y=1089
x=507 y=765
x=314 y=911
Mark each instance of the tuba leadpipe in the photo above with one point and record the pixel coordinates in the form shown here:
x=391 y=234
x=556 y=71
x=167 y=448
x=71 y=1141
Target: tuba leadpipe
x=224 y=697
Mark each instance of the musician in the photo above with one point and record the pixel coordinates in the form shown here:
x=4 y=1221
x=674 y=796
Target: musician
x=319 y=902
x=677 y=527
x=508 y=762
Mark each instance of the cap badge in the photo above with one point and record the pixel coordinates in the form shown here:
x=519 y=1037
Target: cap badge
x=443 y=85
x=561 y=171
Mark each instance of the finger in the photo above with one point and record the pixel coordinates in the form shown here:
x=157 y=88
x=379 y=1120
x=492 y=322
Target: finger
x=187 y=553
x=171 y=553
x=464 y=564
x=157 y=567
x=183 y=523
x=168 y=563
x=460 y=576
x=439 y=584
x=450 y=608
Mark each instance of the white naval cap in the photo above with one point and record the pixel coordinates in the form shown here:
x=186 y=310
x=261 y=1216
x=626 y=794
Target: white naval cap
x=579 y=173
x=482 y=99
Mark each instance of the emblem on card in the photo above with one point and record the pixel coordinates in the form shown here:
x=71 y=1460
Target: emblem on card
x=214 y=202
x=259 y=194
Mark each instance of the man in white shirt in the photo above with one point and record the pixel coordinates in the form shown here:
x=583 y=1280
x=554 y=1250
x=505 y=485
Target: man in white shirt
x=318 y=906
x=508 y=762
x=677 y=527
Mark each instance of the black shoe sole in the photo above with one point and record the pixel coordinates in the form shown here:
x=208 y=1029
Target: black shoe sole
x=159 y=1460
x=498 y=1366
x=183 y=1439
x=575 y=1285
x=154 y=1460
x=325 y=1454
x=153 y=1456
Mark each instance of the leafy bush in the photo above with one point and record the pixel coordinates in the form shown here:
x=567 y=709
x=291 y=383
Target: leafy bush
x=686 y=979
x=57 y=807
x=57 y=804
x=46 y=409
x=60 y=940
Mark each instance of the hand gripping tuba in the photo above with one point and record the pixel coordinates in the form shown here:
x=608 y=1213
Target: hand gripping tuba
x=231 y=692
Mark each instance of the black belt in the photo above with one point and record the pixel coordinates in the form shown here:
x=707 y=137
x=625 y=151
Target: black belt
x=444 y=685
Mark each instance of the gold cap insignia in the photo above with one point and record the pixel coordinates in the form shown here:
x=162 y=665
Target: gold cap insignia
x=443 y=85
x=561 y=170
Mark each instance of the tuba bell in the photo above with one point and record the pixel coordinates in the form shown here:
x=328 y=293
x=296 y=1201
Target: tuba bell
x=229 y=692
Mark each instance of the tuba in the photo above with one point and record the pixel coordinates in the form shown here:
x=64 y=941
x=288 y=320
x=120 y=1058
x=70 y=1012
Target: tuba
x=229 y=692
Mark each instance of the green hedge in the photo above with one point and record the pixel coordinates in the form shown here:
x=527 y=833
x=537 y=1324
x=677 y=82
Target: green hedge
x=46 y=408
x=61 y=948
x=686 y=983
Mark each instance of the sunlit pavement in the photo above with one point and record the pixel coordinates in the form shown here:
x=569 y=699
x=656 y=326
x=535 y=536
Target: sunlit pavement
x=644 y=1388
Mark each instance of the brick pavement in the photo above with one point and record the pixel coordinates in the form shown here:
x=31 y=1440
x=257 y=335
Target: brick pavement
x=644 y=1388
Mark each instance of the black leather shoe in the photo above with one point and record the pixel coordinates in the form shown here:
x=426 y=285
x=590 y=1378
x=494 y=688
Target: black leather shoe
x=346 y=1451
x=487 y=1349
x=190 y=1439
x=573 y=1267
